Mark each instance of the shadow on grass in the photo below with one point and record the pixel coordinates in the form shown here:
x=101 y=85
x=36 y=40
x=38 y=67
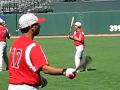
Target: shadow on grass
x=90 y=69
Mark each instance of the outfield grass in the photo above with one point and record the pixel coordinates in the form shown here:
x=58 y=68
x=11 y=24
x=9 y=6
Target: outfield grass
x=60 y=53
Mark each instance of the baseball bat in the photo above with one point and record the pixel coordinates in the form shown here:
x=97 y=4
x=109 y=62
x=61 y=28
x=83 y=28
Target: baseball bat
x=84 y=62
x=71 y=24
x=81 y=64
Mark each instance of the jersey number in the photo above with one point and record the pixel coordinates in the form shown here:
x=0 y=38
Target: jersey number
x=16 y=57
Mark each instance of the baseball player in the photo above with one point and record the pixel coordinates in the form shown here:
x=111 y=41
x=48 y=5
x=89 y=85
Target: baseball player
x=3 y=55
x=78 y=38
x=27 y=58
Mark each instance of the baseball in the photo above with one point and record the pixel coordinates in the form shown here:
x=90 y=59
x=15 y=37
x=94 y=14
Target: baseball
x=70 y=73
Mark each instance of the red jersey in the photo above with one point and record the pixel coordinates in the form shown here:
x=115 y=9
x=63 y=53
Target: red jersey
x=25 y=61
x=79 y=34
x=3 y=33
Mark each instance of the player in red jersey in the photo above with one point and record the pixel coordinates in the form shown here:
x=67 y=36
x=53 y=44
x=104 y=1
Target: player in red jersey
x=3 y=55
x=27 y=58
x=78 y=38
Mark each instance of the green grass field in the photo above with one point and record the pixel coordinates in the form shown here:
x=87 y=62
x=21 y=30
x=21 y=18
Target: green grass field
x=60 y=52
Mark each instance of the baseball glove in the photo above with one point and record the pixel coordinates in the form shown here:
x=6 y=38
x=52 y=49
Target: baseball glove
x=43 y=82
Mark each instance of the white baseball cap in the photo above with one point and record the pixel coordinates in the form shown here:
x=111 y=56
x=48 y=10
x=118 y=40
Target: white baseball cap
x=2 y=21
x=78 y=24
x=29 y=19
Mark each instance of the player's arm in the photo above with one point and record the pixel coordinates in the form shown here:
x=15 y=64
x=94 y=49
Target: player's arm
x=71 y=37
x=75 y=38
x=48 y=69
x=40 y=61
x=8 y=35
x=69 y=72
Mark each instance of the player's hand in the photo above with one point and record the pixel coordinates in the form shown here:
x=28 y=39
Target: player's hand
x=43 y=82
x=71 y=37
x=70 y=73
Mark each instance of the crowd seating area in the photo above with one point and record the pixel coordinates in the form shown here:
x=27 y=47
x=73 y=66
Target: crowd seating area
x=23 y=6
x=35 y=6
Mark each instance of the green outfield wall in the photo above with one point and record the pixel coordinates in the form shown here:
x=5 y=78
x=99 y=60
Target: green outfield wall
x=87 y=5
x=59 y=23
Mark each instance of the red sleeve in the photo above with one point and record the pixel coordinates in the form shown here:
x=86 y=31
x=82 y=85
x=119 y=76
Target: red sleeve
x=38 y=57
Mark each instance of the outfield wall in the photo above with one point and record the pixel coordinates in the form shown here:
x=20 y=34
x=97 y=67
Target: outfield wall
x=59 y=23
x=87 y=5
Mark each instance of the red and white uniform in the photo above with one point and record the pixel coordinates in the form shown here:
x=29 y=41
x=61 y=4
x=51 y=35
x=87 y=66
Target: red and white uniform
x=79 y=34
x=25 y=61
x=3 y=35
x=79 y=47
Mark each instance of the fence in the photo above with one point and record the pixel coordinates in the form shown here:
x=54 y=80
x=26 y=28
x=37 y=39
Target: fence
x=59 y=23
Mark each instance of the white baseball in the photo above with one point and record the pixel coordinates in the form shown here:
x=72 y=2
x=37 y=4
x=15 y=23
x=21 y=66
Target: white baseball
x=70 y=73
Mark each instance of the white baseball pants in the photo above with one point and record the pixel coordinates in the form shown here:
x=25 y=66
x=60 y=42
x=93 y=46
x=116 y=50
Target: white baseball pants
x=2 y=48
x=78 y=56
x=22 y=87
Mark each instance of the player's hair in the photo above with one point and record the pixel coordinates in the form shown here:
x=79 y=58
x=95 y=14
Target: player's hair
x=1 y=24
x=25 y=30
x=79 y=26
